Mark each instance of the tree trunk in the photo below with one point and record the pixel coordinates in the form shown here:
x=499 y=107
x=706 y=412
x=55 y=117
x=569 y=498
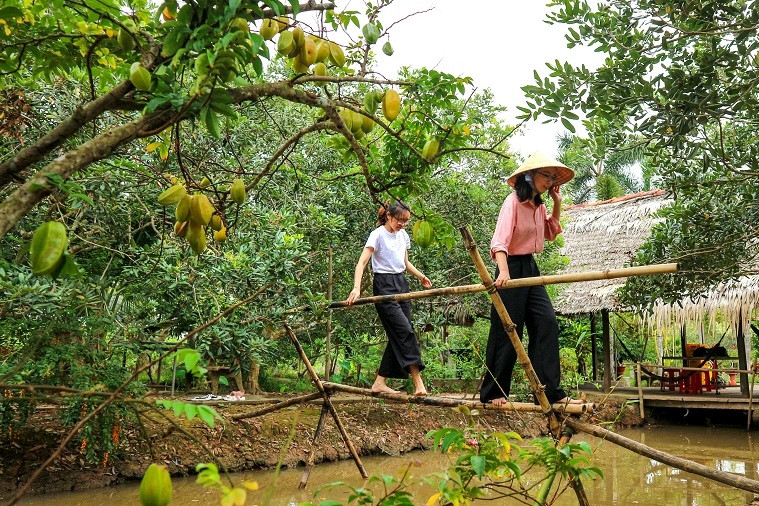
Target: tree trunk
x=252 y=386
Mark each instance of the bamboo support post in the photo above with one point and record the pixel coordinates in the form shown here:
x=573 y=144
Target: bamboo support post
x=328 y=402
x=730 y=479
x=537 y=388
x=751 y=397
x=643 y=270
x=639 y=379
x=446 y=402
x=277 y=406
x=575 y=483
x=312 y=455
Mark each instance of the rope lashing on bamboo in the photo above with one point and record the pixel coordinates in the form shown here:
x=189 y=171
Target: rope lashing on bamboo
x=642 y=270
x=573 y=409
x=730 y=479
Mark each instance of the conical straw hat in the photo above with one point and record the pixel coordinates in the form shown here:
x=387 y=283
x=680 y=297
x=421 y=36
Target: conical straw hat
x=561 y=172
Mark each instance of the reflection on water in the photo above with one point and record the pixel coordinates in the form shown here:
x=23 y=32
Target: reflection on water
x=632 y=479
x=628 y=477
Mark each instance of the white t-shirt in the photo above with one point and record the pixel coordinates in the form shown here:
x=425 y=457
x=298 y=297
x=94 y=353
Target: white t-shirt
x=389 y=256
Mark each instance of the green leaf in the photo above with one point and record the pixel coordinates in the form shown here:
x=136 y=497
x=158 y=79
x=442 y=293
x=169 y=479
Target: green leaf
x=10 y=12
x=190 y=410
x=258 y=66
x=191 y=359
x=173 y=41
x=208 y=415
x=478 y=464
x=276 y=6
x=212 y=123
x=224 y=109
x=295 y=6
x=568 y=125
x=449 y=439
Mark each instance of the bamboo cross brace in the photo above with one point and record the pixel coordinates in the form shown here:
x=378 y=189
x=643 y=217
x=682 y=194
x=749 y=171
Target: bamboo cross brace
x=537 y=388
x=642 y=270
x=524 y=360
x=312 y=455
x=328 y=402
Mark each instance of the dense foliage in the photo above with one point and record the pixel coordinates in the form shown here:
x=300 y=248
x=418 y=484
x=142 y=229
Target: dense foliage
x=681 y=77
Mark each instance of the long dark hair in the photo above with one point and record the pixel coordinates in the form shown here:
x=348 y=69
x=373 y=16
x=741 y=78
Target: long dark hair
x=524 y=189
x=395 y=209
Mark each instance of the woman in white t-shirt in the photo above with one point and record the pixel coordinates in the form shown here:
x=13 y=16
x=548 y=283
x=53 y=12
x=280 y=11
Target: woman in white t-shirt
x=387 y=247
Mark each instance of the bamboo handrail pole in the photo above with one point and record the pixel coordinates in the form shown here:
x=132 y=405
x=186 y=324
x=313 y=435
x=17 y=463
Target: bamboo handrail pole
x=446 y=402
x=328 y=402
x=537 y=388
x=312 y=455
x=643 y=270
x=277 y=406
x=730 y=479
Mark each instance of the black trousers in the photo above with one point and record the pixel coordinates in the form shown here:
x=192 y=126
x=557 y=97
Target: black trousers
x=402 y=348
x=527 y=306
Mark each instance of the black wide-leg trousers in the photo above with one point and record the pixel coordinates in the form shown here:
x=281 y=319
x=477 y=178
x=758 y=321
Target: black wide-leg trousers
x=402 y=348
x=527 y=306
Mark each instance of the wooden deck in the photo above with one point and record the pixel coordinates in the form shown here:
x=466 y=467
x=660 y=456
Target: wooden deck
x=653 y=397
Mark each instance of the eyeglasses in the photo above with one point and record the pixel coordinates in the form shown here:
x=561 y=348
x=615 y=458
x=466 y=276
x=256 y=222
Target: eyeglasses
x=548 y=176
x=401 y=221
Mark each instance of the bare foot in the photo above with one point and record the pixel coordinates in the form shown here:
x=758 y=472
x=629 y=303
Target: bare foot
x=501 y=401
x=420 y=393
x=568 y=400
x=384 y=389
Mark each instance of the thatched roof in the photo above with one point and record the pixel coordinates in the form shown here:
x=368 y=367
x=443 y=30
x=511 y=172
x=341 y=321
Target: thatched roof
x=604 y=235
x=737 y=301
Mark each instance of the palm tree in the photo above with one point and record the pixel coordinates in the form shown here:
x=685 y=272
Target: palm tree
x=603 y=162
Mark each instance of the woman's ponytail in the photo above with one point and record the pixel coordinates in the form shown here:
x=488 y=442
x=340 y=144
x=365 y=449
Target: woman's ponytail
x=395 y=209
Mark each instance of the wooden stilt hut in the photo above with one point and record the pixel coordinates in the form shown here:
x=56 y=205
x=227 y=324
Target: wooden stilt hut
x=607 y=234
x=598 y=236
x=737 y=301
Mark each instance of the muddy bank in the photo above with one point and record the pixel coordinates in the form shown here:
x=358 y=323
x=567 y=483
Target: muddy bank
x=375 y=427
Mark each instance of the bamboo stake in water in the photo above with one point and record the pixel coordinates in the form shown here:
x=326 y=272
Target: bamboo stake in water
x=312 y=455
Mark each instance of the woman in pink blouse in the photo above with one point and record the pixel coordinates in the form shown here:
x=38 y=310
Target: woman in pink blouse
x=523 y=226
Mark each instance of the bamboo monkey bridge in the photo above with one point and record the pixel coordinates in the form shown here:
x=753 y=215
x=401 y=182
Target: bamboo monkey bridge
x=563 y=420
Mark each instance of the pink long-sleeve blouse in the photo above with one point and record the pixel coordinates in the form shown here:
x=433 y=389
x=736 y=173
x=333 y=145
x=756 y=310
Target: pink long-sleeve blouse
x=523 y=227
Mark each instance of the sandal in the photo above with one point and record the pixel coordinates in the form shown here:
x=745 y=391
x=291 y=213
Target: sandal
x=207 y=397
x=237 y=395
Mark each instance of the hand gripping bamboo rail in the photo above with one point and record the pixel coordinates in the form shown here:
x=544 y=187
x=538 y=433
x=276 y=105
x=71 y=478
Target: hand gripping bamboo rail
x=643 y=270
x=570 y=409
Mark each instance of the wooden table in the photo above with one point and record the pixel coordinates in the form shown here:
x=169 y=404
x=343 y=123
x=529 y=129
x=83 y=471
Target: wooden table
x=691 y=379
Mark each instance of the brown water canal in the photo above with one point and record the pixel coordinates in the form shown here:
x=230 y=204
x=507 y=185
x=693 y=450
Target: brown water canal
x=628 y=477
